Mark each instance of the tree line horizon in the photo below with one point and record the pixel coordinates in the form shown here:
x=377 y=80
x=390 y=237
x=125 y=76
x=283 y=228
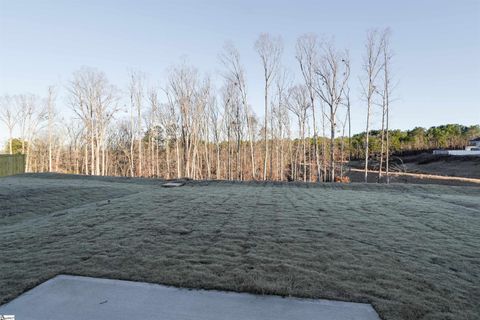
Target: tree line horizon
x=446 y=136
x=201 y=132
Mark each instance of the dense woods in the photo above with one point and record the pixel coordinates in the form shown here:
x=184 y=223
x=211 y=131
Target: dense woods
x=449 y=136
x=191 y=127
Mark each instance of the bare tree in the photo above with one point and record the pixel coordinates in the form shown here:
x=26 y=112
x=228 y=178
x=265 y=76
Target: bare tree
x=236 y=75
x=9 y=116
x=333 y=72
x=51 y=119
x=233 y=121
x=25 y=104
x=136 y=100
x=269 y=49
x=307 y=56
x=94 y=100
x=372 y=66
x=31 y=114
x=299 y=104
x=74 y=130
x=215 y=122
x=346 y=102
x=342 y=145
x=204 y=102
x=169 y=121
x=153 y=127
x=386 y=91
x=182 y=93
x=191 y=129
x=282 y=123
x=107 y=106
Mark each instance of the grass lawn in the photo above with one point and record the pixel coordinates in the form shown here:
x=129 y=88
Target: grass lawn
x=413 y=251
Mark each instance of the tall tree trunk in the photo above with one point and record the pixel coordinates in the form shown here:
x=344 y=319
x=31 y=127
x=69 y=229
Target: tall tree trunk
x=304 y=153
x=167 y=154
x=50 y=115
x=387 y=99
x=140 y=142
x=92 y=149
x=132 y=142
x=349 y=132
x=315 y=137
x=387 y=163
x=324 y=148
x=382 y=137
x=86 y=159
x=265 y=140
x=177 y=147
x=10 y=138
x=367 y=136
x=332 y=145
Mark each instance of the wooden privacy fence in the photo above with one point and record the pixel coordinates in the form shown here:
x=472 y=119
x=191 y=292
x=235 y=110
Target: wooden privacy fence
x=12 y=164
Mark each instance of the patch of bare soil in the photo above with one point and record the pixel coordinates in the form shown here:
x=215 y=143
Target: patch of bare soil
x=424 y=163
x=458 y=166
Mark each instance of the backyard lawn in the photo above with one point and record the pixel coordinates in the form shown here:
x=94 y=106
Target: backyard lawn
x=412 y=251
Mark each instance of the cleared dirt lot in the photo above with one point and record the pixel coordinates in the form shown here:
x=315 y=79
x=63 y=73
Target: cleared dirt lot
x=464 y=166
x=425 y=163
x=410 y=250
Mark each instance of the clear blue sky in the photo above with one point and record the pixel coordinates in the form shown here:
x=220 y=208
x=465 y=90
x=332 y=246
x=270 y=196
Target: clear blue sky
x=436 y=45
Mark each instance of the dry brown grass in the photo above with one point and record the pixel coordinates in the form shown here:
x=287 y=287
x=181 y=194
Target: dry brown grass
x=410 y=250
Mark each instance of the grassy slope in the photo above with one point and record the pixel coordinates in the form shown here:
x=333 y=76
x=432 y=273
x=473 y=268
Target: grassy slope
x=410 y=250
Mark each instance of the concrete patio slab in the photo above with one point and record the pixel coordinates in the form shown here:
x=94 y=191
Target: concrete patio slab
x=74 y=298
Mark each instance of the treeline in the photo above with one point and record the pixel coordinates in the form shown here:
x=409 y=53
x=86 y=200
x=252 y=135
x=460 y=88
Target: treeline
x=68 y=159
x=449 y=136
x=190 y=127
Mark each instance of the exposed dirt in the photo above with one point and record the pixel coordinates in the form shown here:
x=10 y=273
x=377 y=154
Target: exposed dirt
x=459 y=166
x=425 y=163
